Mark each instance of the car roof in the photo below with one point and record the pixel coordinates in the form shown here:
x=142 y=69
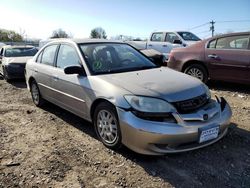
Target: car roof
x=16 y=46
x=82 y=41
x=229 y=34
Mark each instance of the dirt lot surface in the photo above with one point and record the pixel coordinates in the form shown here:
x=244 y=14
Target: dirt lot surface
x=50 y=147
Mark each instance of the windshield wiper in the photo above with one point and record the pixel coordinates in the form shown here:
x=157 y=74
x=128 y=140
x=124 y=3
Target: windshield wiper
x=126 y=69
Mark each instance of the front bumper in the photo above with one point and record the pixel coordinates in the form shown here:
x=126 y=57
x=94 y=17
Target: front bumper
x=157 y=138
x=15 y=70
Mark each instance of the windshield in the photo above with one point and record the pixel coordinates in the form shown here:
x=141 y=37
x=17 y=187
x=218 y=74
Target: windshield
x=188 y=36
x=103 y=58
x=20 y=52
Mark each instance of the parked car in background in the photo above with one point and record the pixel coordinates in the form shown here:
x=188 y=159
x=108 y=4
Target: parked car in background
x=2 y=44
x=164 y=41
x=156 y=57
x=130 y=100
x=13 y=60
x=224 y=57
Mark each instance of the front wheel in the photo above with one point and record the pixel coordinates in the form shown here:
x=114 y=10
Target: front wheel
x=36 y=95
x=107 y=125
x=197 y=71
x=5 y=75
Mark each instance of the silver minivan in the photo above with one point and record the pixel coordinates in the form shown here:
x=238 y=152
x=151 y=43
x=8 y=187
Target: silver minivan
x=150 y=109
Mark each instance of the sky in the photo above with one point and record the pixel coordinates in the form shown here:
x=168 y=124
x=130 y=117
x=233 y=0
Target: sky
x=137 y=18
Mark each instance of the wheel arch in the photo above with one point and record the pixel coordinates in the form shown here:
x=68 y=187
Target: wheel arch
x=192 y=62
x=30 y=80
x=95 y=104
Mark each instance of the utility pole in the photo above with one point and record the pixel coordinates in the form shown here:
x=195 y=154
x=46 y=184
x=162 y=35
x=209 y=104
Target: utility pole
x=212 y=27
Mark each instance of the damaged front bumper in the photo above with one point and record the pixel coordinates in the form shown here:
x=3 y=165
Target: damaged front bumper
x=157 y=138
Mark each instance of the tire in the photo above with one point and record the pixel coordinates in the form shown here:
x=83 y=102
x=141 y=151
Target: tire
x=35 y=94
x=107 y=126
x=197 y=71
x=5 y=75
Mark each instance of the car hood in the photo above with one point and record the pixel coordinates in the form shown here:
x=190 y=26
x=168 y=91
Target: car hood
x=17 y=59
x=162 y=83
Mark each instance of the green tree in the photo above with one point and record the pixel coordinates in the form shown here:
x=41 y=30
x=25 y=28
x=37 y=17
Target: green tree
x=59 y=33
x=98 y=33
x=8 y=35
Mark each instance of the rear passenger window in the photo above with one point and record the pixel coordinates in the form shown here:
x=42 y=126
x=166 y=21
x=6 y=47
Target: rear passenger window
x=67 y=56
x=49 y=55
x=233 y=42
x=157 y=37
x=240 y=43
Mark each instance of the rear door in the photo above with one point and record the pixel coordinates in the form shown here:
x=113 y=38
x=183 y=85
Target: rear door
x=70 y=92
x=228 y=58
x=157 y=42
x=43 y=70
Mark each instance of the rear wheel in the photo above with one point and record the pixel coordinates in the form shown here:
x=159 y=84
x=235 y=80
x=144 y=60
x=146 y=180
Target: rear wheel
x=36 y=95
x=107 y=125
x=197 y=71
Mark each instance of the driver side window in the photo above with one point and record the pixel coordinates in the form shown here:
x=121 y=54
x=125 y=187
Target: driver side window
x=171 y=37
x=67 y=56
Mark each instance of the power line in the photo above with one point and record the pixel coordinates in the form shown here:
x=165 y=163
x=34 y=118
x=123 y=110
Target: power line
x=233 y=30
x=198 y=26
x=212 y=25
x=206 y=36
x=227 y=21
x=203 y=32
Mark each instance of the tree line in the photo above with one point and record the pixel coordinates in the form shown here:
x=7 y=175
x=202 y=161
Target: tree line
x=9 y=35
x=98 y=32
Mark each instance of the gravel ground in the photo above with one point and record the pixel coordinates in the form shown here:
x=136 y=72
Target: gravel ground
x=50 y=147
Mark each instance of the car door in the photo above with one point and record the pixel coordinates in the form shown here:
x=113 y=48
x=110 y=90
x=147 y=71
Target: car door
x=43 y=71
x=171 y=38
x=157 y=42
x=70 y=92
x=228 y=58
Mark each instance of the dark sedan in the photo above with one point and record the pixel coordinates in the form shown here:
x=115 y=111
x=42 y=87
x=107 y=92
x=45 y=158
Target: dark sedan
x=224 y=57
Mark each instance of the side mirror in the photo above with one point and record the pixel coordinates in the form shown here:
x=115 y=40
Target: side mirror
x=74 y=70
x=177 y=41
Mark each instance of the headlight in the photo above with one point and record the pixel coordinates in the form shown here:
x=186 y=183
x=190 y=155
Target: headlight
x=148 y=104
x=208 y=93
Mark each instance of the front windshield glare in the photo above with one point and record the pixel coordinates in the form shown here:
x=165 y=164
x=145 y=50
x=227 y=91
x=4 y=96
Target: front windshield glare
x=20 y=52
x=106 y=58
x=188 y=36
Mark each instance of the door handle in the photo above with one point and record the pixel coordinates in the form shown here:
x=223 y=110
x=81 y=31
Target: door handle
x=213 y=56
x=36 y=70
x=150 y=45
x=164 y=45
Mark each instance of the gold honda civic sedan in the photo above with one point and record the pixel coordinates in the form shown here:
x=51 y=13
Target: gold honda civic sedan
x=131 y=101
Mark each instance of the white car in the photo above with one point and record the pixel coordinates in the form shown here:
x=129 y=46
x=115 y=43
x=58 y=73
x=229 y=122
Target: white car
x=164 y=41
x=13 y=60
